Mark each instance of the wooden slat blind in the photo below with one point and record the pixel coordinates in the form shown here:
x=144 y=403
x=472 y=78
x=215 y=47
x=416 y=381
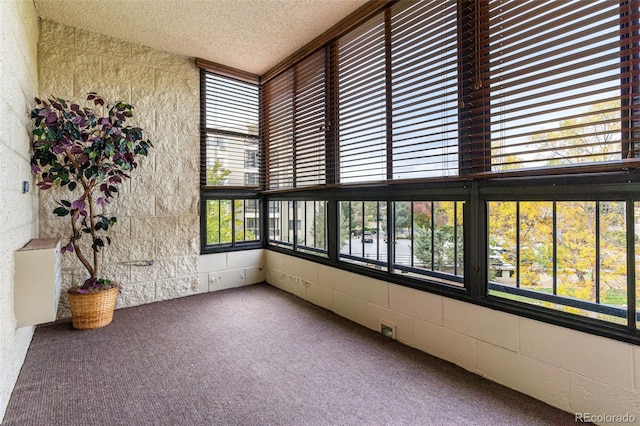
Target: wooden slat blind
x=310 y=103
x=278 y=130
x=231 y=125
x=294 y=125
x=424 y=91
x=559 y=77
x=362 y=103
x=472 y=89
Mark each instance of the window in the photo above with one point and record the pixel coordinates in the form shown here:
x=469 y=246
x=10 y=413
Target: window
x=231 y=221
x=308 y=235
x=398 y=95
x=424 y=89
x=251 y=159
x=560 y=80
x=230 y=131
x=483 y=150
x=294 y=125
x=419 y=239
x=428 y=238
x=251 y=179
x=566 y=255
x=230 y=218
x=363 y=226
x=297 y=228
x=362 y=103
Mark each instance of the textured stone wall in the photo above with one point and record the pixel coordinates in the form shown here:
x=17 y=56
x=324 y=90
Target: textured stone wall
x=18 y=211
x=157 y=209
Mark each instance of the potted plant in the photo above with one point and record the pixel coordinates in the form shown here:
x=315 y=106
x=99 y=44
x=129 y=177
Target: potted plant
x=90 y=154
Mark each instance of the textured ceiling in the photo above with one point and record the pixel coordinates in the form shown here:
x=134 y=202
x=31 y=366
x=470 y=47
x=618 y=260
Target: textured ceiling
x=251 y=35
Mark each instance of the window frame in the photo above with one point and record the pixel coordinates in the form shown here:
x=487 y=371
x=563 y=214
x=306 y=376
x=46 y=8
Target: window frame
x=227 y=192
x=234 y=245
x=475 y=185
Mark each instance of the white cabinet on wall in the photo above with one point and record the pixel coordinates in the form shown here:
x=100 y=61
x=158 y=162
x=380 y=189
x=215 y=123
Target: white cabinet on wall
x=37 y=282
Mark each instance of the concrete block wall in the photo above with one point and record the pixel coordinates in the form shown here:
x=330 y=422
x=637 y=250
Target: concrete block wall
x=221 y=271
x=574 y=371
x=157 y=210
x=18 y=210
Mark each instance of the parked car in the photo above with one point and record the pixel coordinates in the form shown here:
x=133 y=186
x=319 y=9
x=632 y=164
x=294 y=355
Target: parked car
x=367 y=237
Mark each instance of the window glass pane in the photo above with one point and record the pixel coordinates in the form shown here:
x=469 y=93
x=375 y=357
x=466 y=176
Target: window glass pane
x=319 y=225
x=459 y=239
x=403 y=234
x=307 y=228
x=252 y=219
x=246 y=220
x=422 y=234
x=227 y=160
x=535 y=252
x=576 y=249
x=312 y=227
x=232 y=221
x=239 y=220
x=282 y=225
x=289 y=216
x=363 y=226
x=571 y=255
x=612 y=254
x=274 y=220
x=429 y=240
x=219 y=221
x=502 y=242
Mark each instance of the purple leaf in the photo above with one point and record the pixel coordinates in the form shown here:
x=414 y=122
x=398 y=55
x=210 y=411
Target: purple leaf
x=52 y=117
x=78 y=205
x=44 y=185
x=58 y=149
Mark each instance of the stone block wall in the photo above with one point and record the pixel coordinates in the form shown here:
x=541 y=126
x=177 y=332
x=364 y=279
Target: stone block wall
x=18 y=210
x=157 y=210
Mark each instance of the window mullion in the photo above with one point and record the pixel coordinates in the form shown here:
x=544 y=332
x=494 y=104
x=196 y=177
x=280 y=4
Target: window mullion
x=597 y=247
x=632 y=322
x=555 y=248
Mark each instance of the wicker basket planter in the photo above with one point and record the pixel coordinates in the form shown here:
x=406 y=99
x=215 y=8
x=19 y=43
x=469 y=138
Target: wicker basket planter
x=92 y=310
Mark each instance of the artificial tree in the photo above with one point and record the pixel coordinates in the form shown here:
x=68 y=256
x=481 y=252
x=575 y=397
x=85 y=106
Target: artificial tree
x=90 y=154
